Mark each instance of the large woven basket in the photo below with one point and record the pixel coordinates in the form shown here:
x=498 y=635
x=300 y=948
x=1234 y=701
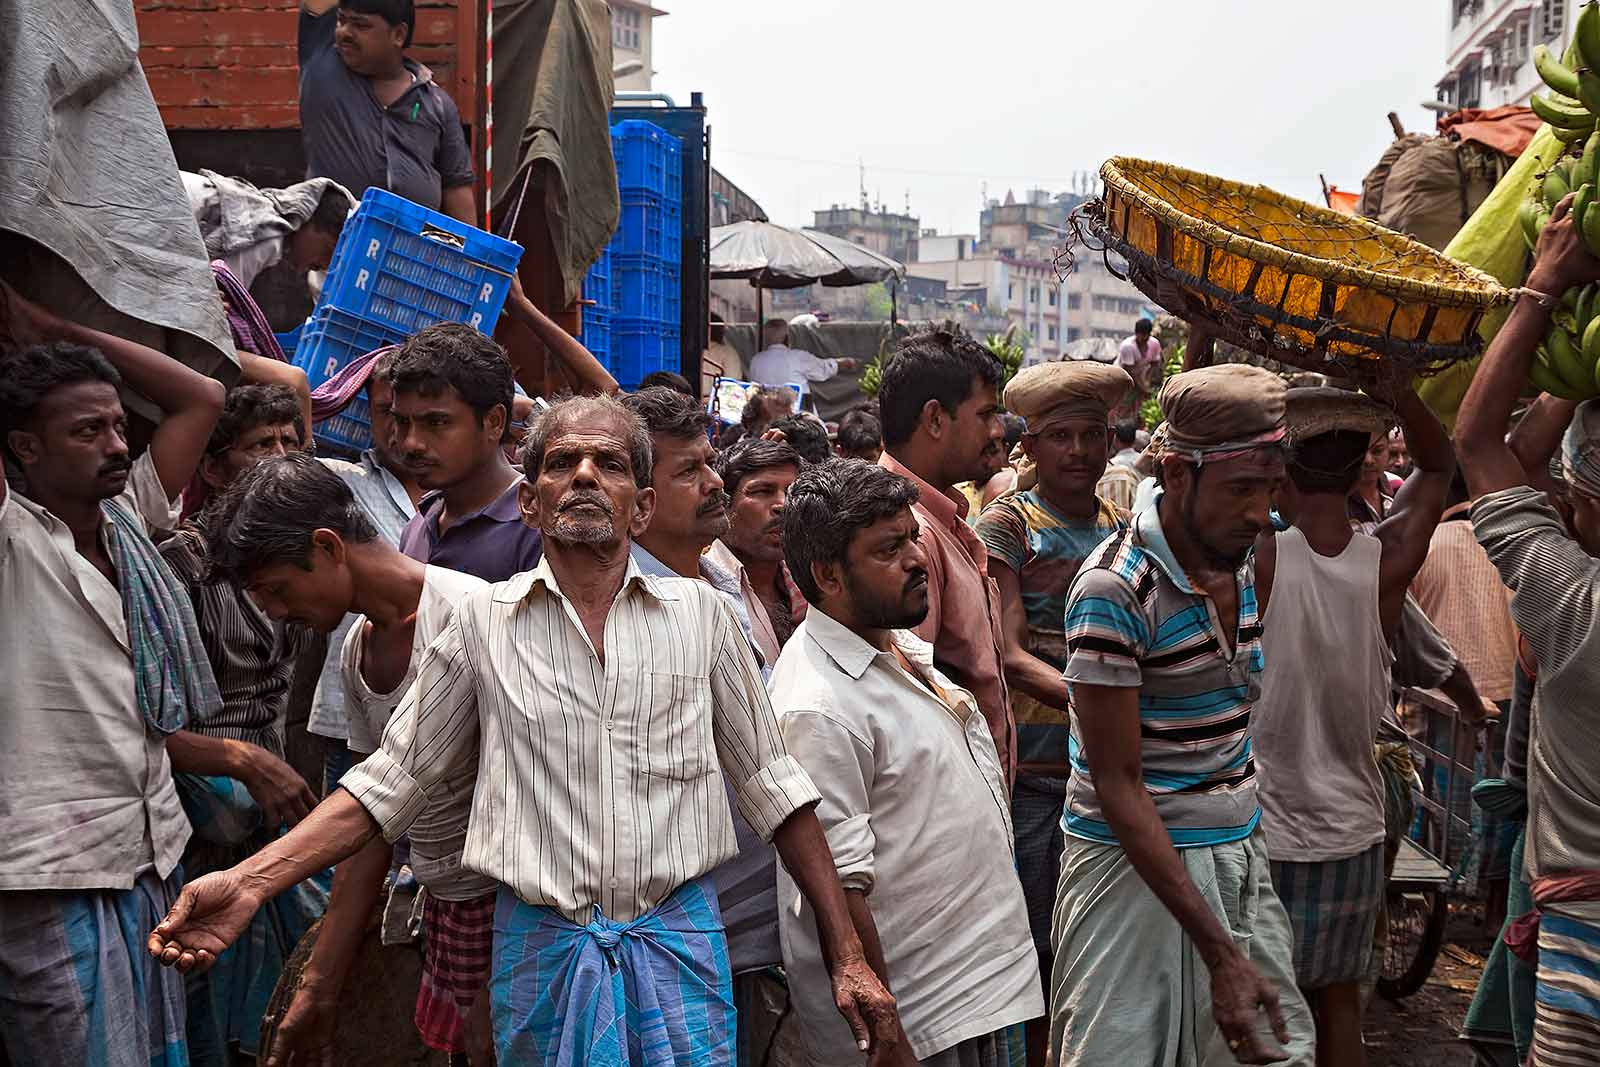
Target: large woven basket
x=1298 y=283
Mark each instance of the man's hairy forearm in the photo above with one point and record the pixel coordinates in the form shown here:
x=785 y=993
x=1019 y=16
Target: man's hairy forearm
x=333 y=832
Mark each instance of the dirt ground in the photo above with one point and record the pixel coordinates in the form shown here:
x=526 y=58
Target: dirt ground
x=1421 y=1031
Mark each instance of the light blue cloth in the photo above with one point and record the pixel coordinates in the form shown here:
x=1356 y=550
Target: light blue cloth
x=172 y=677
x=654 y=992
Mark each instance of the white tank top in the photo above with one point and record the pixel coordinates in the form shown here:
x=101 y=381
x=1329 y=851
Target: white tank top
x=1325 y=687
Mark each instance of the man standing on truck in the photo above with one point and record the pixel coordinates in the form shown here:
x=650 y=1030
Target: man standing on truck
x=371 y=117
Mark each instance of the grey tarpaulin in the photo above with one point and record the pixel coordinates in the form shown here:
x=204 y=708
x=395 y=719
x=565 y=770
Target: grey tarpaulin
x=552 y=104
x=94 y=222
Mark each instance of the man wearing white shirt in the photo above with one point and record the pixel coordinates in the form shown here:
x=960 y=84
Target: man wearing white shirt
x=914 y=799
x=102 y=664
x=605 y=706
x=778 y=364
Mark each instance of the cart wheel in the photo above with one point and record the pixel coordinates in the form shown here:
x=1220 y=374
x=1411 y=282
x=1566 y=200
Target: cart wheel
x=1416 y=932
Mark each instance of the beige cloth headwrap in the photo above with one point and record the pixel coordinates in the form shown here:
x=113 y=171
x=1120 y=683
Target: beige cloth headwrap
x=1217 y=413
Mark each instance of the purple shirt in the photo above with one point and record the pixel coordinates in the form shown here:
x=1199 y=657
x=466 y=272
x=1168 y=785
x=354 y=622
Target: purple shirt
x=492 y=543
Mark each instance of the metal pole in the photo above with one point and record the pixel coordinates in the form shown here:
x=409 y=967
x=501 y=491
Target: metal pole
x=759 y=323
x=894 y=305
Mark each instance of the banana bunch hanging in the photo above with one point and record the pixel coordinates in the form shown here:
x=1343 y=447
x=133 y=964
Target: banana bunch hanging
x=1568 y=363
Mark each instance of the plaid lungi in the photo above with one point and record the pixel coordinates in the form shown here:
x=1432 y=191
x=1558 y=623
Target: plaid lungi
x=1566 y=1012
x=78 y=989
x=653 y=992
x=1036 y=823
x=457 y=945
x=1333 y=907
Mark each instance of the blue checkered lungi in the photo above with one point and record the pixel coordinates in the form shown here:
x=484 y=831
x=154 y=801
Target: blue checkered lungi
x=654 y=992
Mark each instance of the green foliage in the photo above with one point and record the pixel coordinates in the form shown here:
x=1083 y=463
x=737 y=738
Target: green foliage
x=1150 y=411
x=878 y=303
x=1008 y=348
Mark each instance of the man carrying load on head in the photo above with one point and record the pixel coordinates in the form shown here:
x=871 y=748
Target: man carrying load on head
x=1165 y=900
x=1555 y=580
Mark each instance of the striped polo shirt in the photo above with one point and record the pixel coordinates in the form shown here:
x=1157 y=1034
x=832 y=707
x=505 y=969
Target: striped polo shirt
x=1135 y=621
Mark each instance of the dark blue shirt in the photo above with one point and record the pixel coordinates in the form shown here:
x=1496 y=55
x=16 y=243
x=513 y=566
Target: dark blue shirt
x=492 y=543
x=414 y=147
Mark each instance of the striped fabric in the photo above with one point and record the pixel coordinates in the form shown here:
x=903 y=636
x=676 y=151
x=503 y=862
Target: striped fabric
x=1333 y=906
x=78 y=989
x=653 y=992
x=1135 y=621
x=600 y=783
x=1566 y=1023
x=1044 y=549
x=457 y=937
x=251 y=656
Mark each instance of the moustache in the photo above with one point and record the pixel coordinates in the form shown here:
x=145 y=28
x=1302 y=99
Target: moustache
x=579 y=498
x=918 y=578
x=112 y=469
x=717 y=502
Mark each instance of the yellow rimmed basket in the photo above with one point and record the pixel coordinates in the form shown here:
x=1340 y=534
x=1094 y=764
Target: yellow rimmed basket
x=1283 y=278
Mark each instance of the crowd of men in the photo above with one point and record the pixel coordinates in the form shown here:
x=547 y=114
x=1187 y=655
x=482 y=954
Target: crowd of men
x=982 y=729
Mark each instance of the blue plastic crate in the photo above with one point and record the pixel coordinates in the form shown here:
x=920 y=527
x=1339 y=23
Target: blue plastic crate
x=290 y=341
x=329 y=340
x=649 y=159
x=643 y=287
x=400 y=264
x=597 y=282
x=640 y=347
x=649 y=226
x=596 y=336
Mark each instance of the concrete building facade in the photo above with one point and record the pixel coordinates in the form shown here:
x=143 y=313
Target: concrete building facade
x=882 y=231
x=631 y=42
x=1488 y=54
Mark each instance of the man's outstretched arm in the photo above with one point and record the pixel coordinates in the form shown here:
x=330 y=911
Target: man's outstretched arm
x=214 y=909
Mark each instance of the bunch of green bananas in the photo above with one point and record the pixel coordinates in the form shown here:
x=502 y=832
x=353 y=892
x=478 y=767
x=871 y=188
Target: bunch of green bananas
x=1568 y=363
x=1574 y=101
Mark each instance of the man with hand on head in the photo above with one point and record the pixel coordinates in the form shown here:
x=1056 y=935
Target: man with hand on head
x=102 y=664
x=941 y=426
x=1037 y=538
x=914 y=797
x=1331 y=600
x=293 y=534
x=1164 y=878
x=1554 y=577
x=602 y=822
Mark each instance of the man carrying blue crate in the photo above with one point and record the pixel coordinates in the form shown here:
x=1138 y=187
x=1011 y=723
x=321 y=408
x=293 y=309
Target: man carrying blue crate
x=371 y=117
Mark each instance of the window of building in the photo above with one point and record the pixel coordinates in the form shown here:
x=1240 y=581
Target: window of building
x=1555 y=18
x=1074 y=301
x=1073 y=333
x=1054 y=295
x=625 y=29
x=1033 y=294
x=1050 y=333
x=1011 y=290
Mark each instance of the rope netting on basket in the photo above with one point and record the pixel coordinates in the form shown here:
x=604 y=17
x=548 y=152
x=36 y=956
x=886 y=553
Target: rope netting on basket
x=1286 y=279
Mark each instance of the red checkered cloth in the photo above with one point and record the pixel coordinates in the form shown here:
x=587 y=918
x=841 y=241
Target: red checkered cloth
x=457 y=939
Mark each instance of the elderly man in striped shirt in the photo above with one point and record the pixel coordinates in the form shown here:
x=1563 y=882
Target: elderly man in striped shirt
x=604 y=706
x=1165 y=900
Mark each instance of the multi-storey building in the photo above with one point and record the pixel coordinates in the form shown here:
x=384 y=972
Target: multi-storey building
x=630 y=42
x=1488 y=58
x=882 y=231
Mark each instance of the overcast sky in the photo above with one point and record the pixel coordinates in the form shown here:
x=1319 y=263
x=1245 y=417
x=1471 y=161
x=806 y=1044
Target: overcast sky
x=936 y=98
